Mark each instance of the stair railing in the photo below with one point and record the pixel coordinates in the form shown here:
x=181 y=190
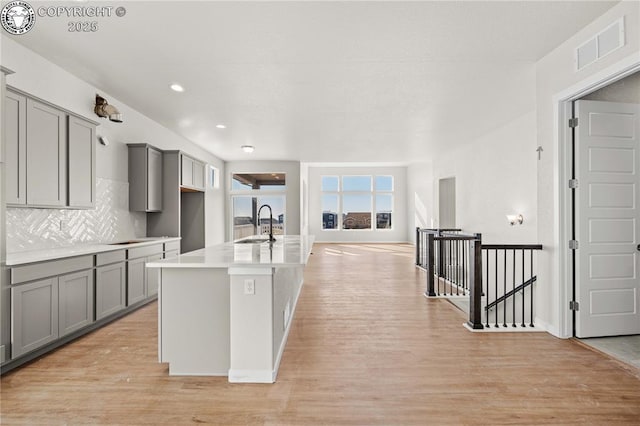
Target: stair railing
x=509 y=278
x=456 y=264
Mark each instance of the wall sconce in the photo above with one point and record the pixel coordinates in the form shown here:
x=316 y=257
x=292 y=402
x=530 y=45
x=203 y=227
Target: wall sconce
x=515 y=219
x=104 y=110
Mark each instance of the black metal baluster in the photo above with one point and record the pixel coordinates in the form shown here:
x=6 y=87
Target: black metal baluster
x=504 y=301
x=450 y=269
x=418 y=247
x=496 y=307
x=457 y=262
x=531 y=291
x=439 y=251
x=524 y=290
x=513 y=288
x=486 y=256
x=464 y=268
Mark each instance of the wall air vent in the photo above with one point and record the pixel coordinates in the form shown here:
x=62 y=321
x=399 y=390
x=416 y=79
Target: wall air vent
x=599 y=46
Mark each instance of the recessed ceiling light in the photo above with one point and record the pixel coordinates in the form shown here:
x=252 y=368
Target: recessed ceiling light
x=176 y=87
x=247 y=148
x=221 y=126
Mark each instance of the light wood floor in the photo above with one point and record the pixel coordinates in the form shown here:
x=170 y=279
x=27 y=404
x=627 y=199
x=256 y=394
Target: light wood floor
x=365 y=348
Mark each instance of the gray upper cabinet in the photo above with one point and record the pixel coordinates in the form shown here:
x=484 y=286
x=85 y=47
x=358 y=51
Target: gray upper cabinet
x=145 y=178
x=82 y=163
x=187 y=171
x=51 y=155
x=192 y=175
x=198 y=175
x=15 y=114
x=47 y=154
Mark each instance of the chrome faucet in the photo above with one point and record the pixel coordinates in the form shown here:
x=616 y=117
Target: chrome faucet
x=270 y=220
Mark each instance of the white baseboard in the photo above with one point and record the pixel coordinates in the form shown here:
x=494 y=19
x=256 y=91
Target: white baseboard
x=549 y=328
x=251 y=376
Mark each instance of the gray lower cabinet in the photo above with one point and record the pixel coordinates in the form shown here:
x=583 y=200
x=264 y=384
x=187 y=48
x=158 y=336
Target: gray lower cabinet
x=34 y=315
x=75 y=297
x=55 y=298
x=111 y=289
x=136 y=281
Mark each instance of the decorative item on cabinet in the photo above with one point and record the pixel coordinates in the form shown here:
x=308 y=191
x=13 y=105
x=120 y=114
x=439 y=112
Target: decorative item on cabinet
x=104 y=110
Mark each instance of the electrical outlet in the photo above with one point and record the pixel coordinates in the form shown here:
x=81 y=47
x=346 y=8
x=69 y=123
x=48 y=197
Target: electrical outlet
x=249 y=286
x=63 y=225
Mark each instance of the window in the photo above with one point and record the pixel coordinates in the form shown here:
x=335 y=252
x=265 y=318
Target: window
x=245 y=215
x=249 y=191
x=351 y=205
x=214 y=177
x=356 y=211
x=330 y=211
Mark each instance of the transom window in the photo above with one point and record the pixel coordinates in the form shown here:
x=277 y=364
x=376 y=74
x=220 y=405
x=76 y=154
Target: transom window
x=352 y=202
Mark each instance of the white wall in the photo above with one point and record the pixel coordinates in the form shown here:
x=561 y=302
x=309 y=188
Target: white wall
x=398 y=233
x=292 y=170
x=495 y=176
x=420 y=205
x=41 y=78
x=556 y=77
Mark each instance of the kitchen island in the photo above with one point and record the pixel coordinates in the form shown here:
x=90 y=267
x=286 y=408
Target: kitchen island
x=226 y=310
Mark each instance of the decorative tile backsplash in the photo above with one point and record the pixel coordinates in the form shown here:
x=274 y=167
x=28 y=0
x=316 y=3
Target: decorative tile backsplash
x=111 y=220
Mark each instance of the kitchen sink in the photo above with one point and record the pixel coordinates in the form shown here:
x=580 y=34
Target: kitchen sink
x=256 y=240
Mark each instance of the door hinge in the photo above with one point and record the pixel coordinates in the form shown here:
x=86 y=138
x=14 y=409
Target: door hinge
x=573 y=244
x=573 y=183
x=573 y=122
x=574 y=305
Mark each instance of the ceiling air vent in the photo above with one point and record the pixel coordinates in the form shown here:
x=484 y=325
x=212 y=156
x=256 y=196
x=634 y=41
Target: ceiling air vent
x=599 y=46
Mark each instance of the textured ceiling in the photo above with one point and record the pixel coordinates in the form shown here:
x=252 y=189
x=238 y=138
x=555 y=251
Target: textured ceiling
x=319 y=81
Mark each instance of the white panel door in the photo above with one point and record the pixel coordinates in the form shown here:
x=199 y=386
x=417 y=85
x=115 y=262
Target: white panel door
x=607 y=158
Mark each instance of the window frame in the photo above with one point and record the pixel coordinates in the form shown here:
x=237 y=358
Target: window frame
x=372 y=193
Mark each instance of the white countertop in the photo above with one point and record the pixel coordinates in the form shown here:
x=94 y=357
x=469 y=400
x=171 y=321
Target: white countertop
x=31 y=256
x=286 y=251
